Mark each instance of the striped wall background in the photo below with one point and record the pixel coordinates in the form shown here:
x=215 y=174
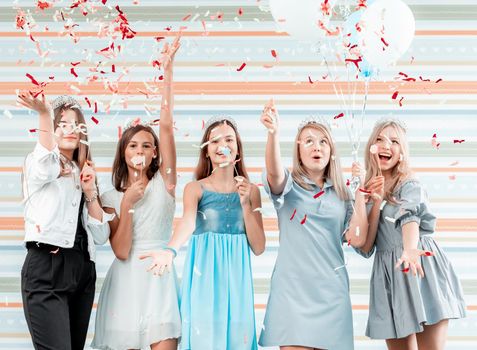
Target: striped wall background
x=218 y=39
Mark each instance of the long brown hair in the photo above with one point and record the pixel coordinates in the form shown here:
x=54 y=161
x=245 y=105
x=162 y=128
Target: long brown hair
x=332 y=170
x=204 y=167
x=80 y=154
x=120 y=175
x=401 y=171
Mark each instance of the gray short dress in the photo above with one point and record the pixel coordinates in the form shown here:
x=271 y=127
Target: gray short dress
x=309 y=303
x=400 y=303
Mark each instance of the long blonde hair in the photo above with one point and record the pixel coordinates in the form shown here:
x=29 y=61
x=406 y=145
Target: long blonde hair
x=402 y=171
x=332 y=170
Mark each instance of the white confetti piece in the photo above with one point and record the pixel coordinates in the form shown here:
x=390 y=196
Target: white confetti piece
x=8 y=114
x=197 y=272
x=84 y=142
x=357 y=233
x=203 y=214
x=383 y=203
x=392 y=220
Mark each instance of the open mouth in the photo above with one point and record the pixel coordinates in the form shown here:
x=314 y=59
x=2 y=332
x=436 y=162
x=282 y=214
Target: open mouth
x=316 y=157
x=384 y=156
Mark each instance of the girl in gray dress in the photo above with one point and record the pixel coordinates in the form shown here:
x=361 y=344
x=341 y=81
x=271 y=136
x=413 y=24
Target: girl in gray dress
x=309 y=305
x=408 y=311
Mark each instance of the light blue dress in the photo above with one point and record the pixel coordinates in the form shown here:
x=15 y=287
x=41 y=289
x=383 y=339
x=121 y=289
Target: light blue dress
x=309 y=303
x=217 y=306
x=400 y=303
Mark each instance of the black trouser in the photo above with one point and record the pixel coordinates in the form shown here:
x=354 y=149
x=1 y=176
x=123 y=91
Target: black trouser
x=58 y=293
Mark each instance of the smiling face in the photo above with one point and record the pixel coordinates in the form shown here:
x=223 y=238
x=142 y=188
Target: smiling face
x=314 y=150
x=222 y=144
x=389 y=149
x=140 y=150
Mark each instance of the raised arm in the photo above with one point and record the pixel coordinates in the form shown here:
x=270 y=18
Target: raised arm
x=45 y=128
x=358 y=227
x=273 y=161
x=376 y=187
x=122 y=227
x=250 y=201
x=167 y=144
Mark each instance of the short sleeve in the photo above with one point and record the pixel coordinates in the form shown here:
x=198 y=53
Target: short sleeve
x=109 y=199
x=349 y=214
x=278 y=199
x=414 y=207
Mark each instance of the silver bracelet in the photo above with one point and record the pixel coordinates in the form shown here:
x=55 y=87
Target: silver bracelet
x=92 y=199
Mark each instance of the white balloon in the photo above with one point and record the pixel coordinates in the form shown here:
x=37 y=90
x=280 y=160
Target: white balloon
x=300 y=18
x=387 y=30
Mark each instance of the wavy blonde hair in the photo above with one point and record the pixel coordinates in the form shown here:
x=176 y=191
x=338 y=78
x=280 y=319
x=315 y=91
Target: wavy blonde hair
x=332 y=170
x=402 y=171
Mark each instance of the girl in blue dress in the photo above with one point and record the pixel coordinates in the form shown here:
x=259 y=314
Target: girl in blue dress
x=309 y=305
x=217 y=306
x=409 y=312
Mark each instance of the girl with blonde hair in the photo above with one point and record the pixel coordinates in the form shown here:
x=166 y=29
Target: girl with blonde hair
x=309 y=305
x=409 y=311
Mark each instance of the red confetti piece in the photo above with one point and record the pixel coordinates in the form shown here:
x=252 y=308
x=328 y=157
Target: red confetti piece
x=319 y=194
x=364 y=191
x=400 y=101
x=293 y=215
x=38 y=230
x=240 y=12
x=303 y=220
x=348 y=182
x=429 y=253
x=355 y=61
x=72 y=71
x=96 y=107
x=88 y=102
x=349 y=242
x=113 y=68
x=96 y=121
x=32 y=130
x=161 y=77
x=325 y=8
x=405 y=270
x=341 y=115
x=459 y=141
x=395 y=94
x=104 y=2
x=384 y=42
x=42 y=5
x=438 y=81
x=187 y=17
x=159 y=38
x=74 y=64
x=33 y=80
x=241 y=67
x=403 y=74
x=309 y=80
x=20 y=19
x=409 y=79
x=274 y=53
x=422 y=79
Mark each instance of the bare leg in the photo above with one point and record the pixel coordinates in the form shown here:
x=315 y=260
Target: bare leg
x=408 y=343
x=434 y=336
x=166 y=344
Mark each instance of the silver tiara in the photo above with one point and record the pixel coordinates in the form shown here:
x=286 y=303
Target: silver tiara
x=65 y=100
x=218 y=119
x=314 y=120
x=138 y=121
x=396 y=121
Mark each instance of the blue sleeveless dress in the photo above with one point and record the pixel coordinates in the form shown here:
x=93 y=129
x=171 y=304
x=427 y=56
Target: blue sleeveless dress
x=216 y=304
